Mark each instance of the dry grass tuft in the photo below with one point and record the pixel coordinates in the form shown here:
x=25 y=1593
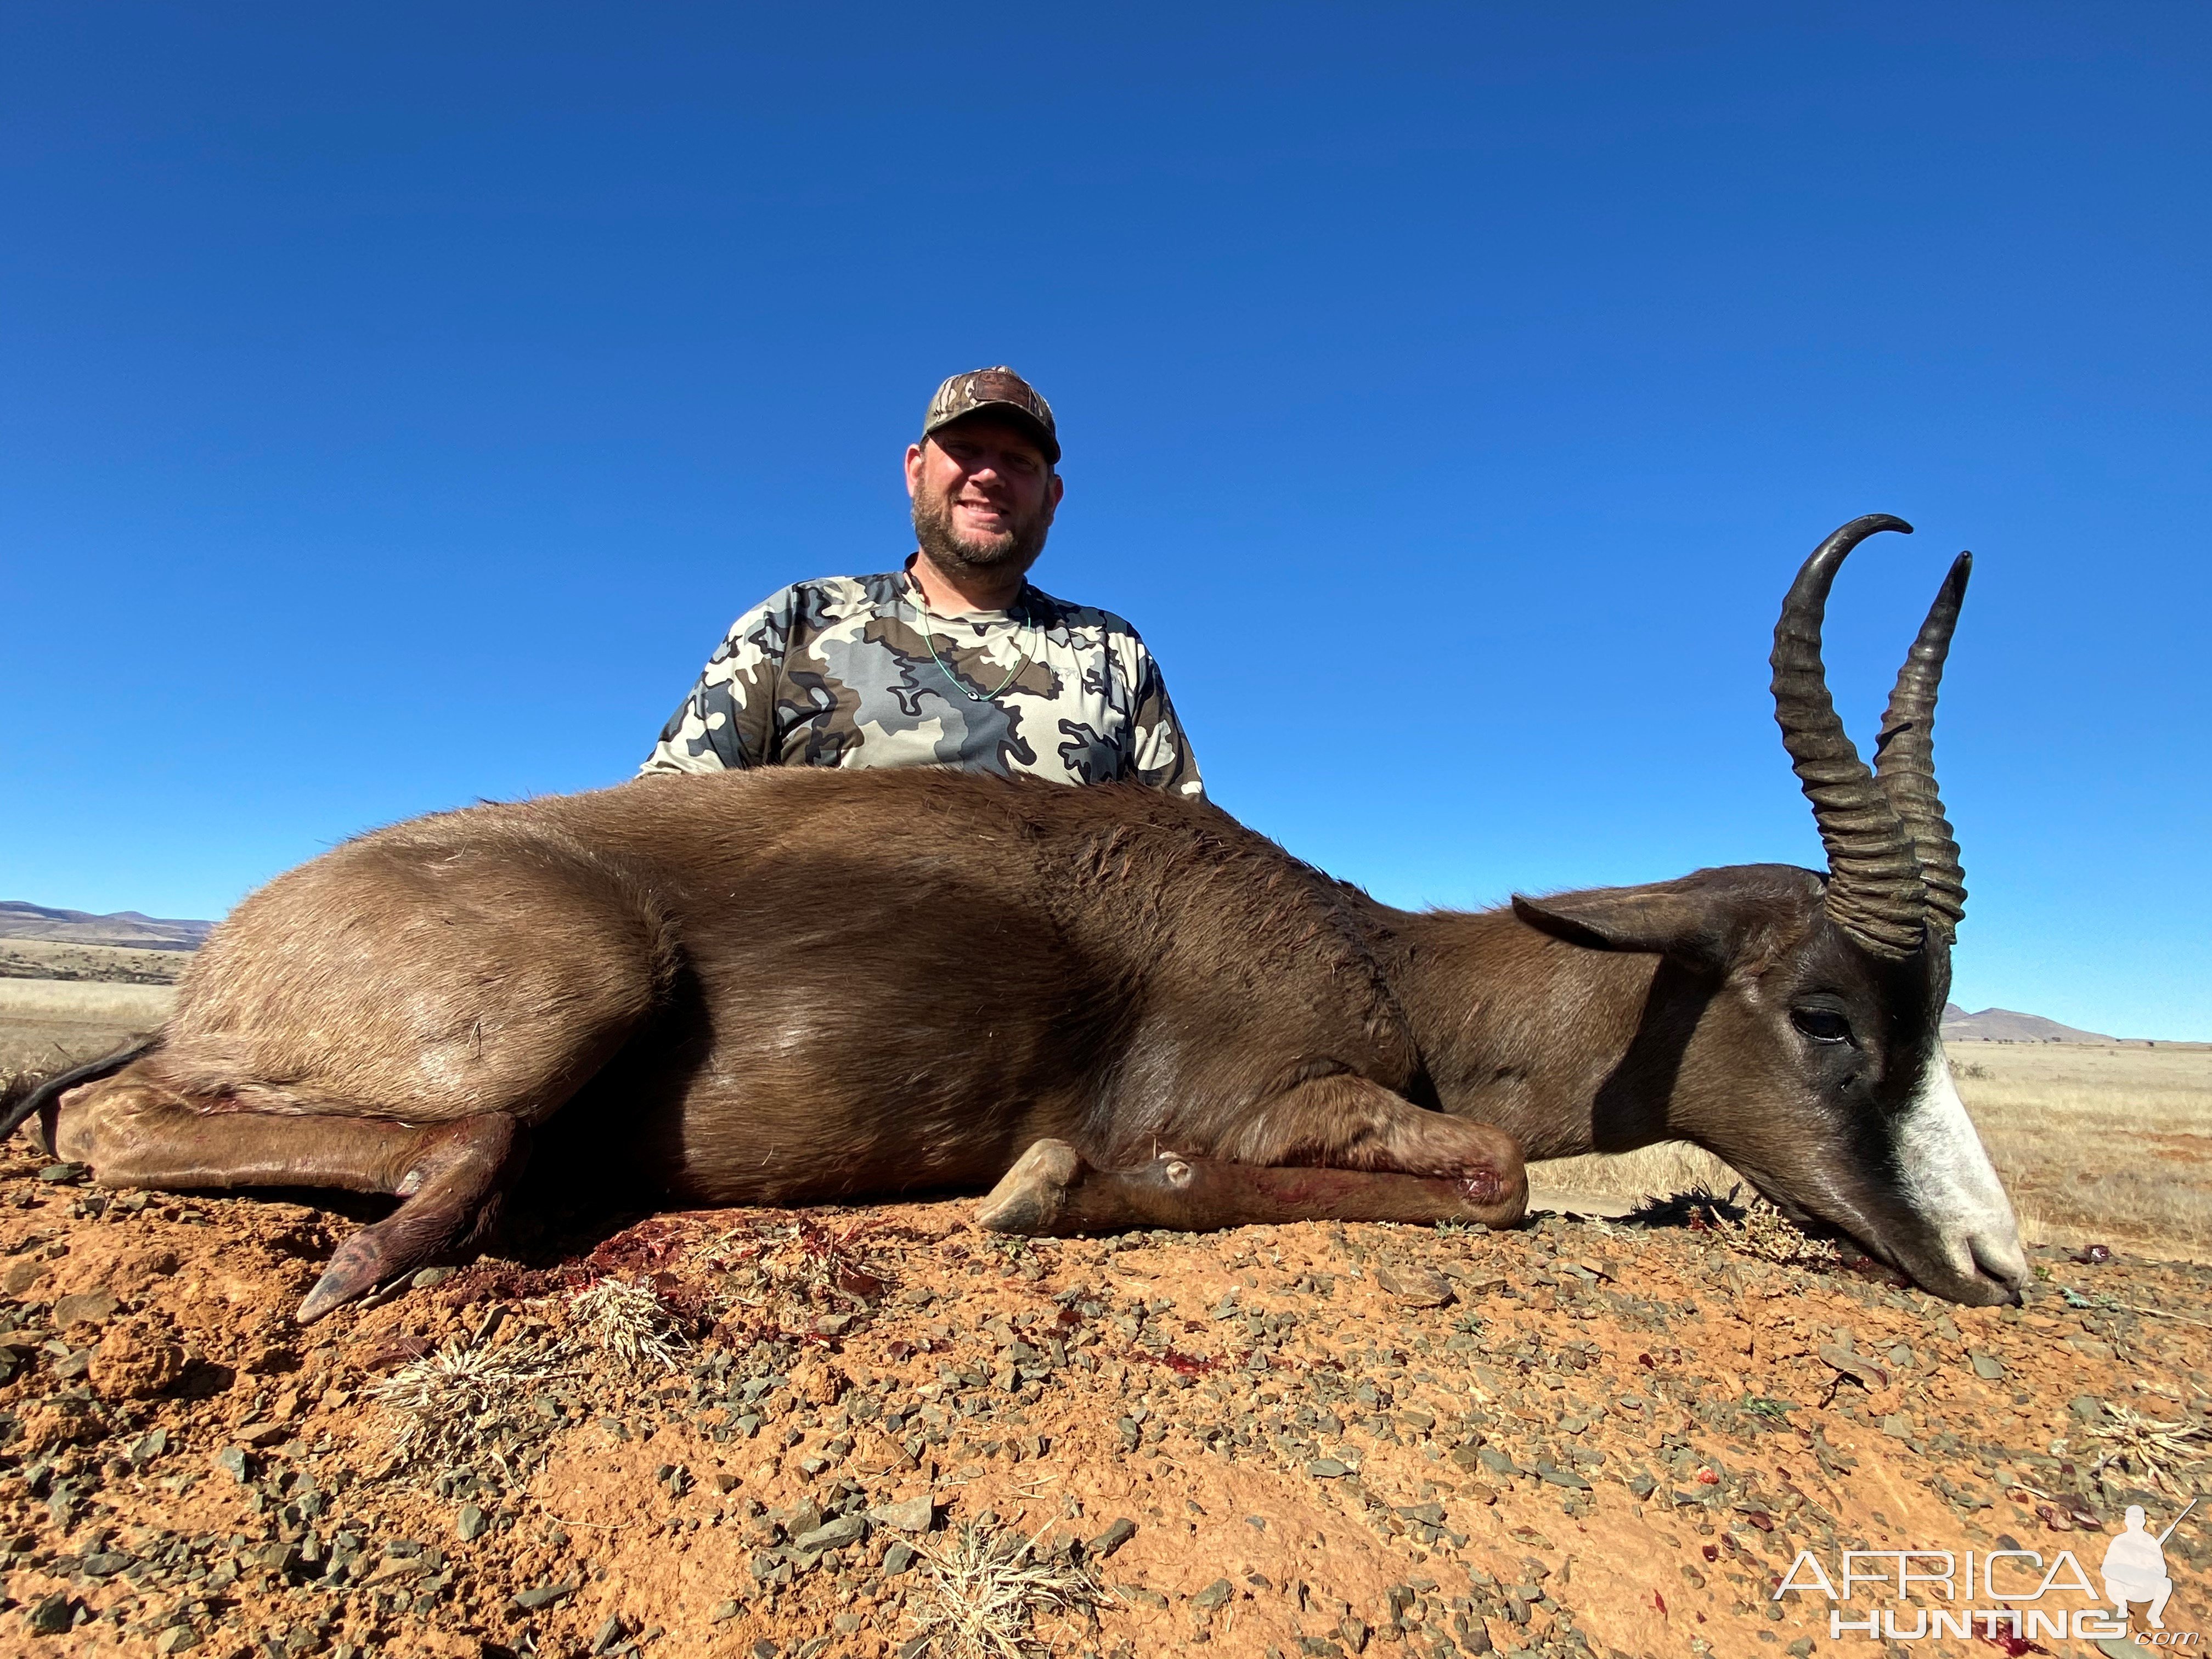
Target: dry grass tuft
x=804 y=1267
x=463 y=1407
x=1755 y=1228
x=1764 y=1232
x=629 y=1322
x=2154 y=1451
x=476 y=1408
x=986 y=1592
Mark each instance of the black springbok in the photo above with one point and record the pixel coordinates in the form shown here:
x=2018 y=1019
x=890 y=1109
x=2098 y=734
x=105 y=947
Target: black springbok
x=797 y=985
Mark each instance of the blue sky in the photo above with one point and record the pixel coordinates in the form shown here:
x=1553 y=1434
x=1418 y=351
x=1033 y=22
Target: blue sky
x=399 y=401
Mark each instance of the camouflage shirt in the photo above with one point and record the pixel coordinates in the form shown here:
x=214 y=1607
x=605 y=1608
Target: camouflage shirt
x=839 y=673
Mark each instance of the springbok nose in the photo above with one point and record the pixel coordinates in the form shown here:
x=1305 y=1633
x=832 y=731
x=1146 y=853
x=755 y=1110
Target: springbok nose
x=2000 y=1257
x=1950 y=1182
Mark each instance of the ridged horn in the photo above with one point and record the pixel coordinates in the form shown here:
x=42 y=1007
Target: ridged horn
x=1875 y=891
x=1904 y=756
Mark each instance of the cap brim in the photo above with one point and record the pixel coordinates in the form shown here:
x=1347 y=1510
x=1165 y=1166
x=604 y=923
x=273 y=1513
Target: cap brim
x=1005 y=411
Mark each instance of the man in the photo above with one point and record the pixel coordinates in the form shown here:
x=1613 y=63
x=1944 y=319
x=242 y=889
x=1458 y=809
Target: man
x=953 y=659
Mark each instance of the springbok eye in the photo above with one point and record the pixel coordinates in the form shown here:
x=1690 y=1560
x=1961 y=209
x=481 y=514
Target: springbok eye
x=1821 y=1025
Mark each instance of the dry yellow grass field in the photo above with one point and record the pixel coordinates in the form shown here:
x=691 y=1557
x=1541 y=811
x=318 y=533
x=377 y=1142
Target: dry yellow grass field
x=49 y=958
x=46 y=1022
x=2099 y=1143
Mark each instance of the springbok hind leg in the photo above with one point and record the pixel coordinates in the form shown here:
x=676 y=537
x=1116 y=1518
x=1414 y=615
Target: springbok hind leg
x=1052 y=1191
x=451 y=1177
x=455 y=1177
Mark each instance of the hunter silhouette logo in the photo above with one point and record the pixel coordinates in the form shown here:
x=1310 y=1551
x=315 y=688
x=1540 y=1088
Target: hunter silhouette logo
x=2023 y=1597
x=2135 y=1566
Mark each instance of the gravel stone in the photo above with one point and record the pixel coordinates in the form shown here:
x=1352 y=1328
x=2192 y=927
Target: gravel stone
x=915 y=1514
x=832 y=1534
x=88 y=1308
x=51 y=1616
x=544 y=1595
x=1414 y=1287
x=1118 y=1534
x=1855 y=1365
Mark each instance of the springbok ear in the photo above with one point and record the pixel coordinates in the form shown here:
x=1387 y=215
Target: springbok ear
x=1684 y=919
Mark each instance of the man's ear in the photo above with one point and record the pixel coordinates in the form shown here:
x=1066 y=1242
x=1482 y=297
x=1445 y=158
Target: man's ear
x=1701 y=918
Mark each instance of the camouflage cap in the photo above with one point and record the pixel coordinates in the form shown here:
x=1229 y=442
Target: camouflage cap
x=999 y=391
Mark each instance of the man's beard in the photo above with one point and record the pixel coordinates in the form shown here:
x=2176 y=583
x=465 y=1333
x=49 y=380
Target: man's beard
x=1014 y=549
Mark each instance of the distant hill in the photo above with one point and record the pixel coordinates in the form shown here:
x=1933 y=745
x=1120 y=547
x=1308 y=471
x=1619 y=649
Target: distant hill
x=125 y=928
x=2003 y=1025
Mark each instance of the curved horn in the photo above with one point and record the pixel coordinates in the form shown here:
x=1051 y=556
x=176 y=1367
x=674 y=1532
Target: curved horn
x=1904 y=756
x=1875 y=891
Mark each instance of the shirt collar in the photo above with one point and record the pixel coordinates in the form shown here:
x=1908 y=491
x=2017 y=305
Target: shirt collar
x=1028 y=605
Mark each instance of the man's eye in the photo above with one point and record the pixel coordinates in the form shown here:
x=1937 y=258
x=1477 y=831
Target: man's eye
x=1821 y=1025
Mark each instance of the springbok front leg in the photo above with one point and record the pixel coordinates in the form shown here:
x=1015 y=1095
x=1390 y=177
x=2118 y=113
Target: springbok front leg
x=1336 y=1148
x=1052 y=1191
x=451 y=1177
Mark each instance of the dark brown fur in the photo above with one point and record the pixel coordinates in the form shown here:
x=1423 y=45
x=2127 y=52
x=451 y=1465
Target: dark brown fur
x=800 y=985
x=795 y=985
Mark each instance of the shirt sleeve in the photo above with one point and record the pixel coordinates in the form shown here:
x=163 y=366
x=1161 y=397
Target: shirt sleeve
x=728 y=719
x=1159 y=754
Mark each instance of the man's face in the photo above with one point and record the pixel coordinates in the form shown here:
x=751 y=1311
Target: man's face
x=983 y=495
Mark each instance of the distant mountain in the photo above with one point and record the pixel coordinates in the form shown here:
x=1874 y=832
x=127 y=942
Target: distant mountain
x=125 y=927
x=2003 y=1025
